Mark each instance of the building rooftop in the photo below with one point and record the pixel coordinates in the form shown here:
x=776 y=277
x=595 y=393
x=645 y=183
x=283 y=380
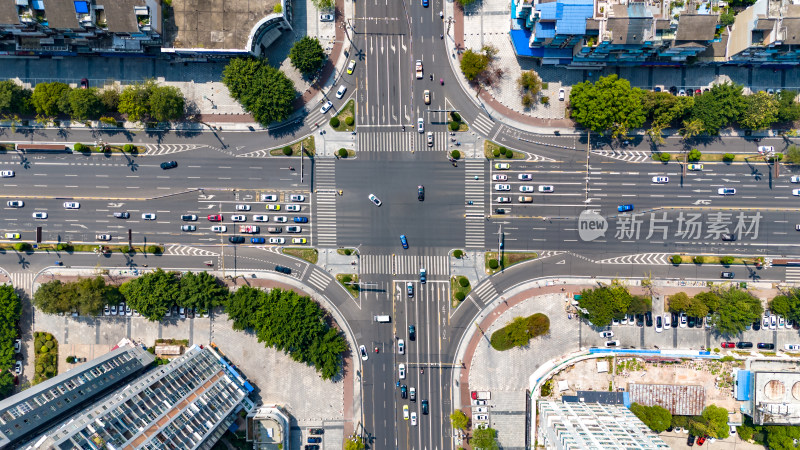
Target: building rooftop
x=630 y=30
x=120 y=15
x=697 y=27
x=9 y=14
x=601 y=397
x=791 y=25
x=680 y=400
x=61 y=14
x=217 y=24
x=776 y=398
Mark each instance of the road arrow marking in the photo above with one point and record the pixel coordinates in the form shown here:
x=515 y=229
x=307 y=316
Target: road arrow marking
x=702 y=202
x=563 y=261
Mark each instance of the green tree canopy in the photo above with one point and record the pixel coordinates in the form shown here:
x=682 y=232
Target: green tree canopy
x=166 y=103
x=737 y=309
x=604 y=303
x=719 y=107
x=610 y=104
x=262 y=90
x=84 y=104
x=474 y=64
x=710 y=299
x=788 y=109
x=307 y=55
x=48 y=298
x=152 y=293
x=10 y=311
x=46 y=97
x=679 y=302
x=655 y=417
x=14 y=99
x=459 y=420
x=202 y=291
x=354 y=443
x=717 y=419
x=760 y=111
x=639 y=305
x=134 y=101
x=697 y=308
x=110 y=99
x=484 y=438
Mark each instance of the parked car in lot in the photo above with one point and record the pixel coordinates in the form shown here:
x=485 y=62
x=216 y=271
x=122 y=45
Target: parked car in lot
x=612 y=344
x=728 y=345
x=792 y=347
x=607 y=334
x=659 y=325
x=744 y=344
x=326 y=18
x=766 y=346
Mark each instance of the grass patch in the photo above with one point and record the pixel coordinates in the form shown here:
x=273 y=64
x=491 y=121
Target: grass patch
x=348 y=153
x=308 y=254
x=520 y=331
x=768 y=353
x=489 y=147
x=741 y=353
x=462 y=127
x=690 y=259
x=350 y=282
x=509 y=259
x=46 y=359
x=710 y=157
x=71 y=248
x=347 y=251
x=349 y=110
x=458 y=292
x=308 y=146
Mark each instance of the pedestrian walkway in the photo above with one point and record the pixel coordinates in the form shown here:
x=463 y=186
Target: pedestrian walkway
x=483 y=124
x=792 y=275
x=628 y=156
x=404 y=264
x=318 y=279
x=23 y=281
x=485 y=293
x=325 y=201
x=474 y=189
x=370 y=140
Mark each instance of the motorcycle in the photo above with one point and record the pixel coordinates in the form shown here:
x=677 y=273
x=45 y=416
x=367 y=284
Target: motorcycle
x=431 y=77
x=441 y=81
x=376 y=349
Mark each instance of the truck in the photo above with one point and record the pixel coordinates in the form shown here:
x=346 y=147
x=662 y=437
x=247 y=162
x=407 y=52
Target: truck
x=481 y=395
x=250 y=229
x=383 y=319
x=419 y=69
x=423 y=275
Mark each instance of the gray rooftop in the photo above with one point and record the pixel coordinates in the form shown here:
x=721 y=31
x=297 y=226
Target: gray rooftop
x=792 y=27
x=630 y=30
x=697 y=27
x=120 y=15
x=61 y=14
x=8 y=14
x=680 y=400
x=217 y=24
x=776 y=398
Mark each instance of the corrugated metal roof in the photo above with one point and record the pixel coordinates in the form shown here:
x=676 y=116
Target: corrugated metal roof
x=678 y=399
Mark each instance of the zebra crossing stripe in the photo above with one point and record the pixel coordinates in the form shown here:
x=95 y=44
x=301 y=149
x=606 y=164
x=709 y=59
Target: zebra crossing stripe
x=482 y=124
x=485 y=288
x=793 y=274
x=318 y=279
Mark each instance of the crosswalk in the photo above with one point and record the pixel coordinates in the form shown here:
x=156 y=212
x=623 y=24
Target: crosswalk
x=633 y=156
x=485 y=292
x=793 y=274
x=641 y=258
x=483 y=124
x=187 y=250
x=168 y=149
x=398 y=141
x=475 y=193
x=319 y=279
x=23 y=281
x=325 y=198
x=404 y=264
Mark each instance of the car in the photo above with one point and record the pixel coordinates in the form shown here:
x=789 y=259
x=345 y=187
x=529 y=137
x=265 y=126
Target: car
x=675 y=320
x=277 y=240
x=84 y=83
x=128 y=310
x=281 y=219
x=374 y=199
x=215 y=217
x=17 y=345
x=314 y=440
x=18 y=368
x=659 y=325
x=316 y=431
x=502 y=166
x=107 y=311
x=283 y=269
x=12 y=235
x=481 y=417
x=781 y=323
x=695 y=167
x=757 y=325
x=682 y=93
x=728 y=237
x=499 y=177
x=727 y=275
x=524 y=199
x=526 y=188
x=299 y=240
x=624 y=208
x=741 y=345
x=430 y=139
x=300 y=219
x=615 y=321
x=412 y=333
x=766 y=346
x=763 y=149
x=294 y=229
x=648 y=317
x=401 y=346
x=405 y=411
x=219 y=228
x=326 y=18
x=795 y=179
x=425 y=407
x=502 y=187
x=293 y=208
x=726 y=191
x=340 y=92
x=297 y=198
x=351 y=66
x=692 y=321
x=236 y=239
x=421 y=193
x=766 y=321
x=690 y=440
x=426 y=95
x=728 y=345
x=420 y=125
x=683 y=320
x=40 y=215
x=639 y=320
x=546 y=188
x=773 y=322
x=260 y=218
x=189 y=218
x=404 y=241
x=413 y=418
x=15 y=203
x=503 y=200
x=122 y=215
x=363 y=351
x=796 y=192
x=612 y=344
x=410 y=289
x=501 y=210
x=524 y=177
x=238 y=218
x=401 y=370
x=148 y=216
x=169 y=165
x=562 y=94
x=403 y=391
x=269 y=198
x=787 y=346
x=188 y=228
x=660 y=180
x=103 y=237
x=412 y=394
x=243 y=207
x=606 y=334
x=7 y=174
x=121 y=308
x=326 y=107
x=258 y=240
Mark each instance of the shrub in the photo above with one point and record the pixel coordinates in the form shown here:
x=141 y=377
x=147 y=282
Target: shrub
x=496 y=152
x=49 y=344
x=726 y=260
x=699 y=259
x=342 y=153
x=664 y=157
x=463 y=281
x=349 y=121
x=694 y=155
x=777 y=155
x=154 y=249
x=545 y=85
x=78 y=147
x=109 y=120
x=545 y=100
x=287 y=151
x=676 y=259
x=130 y=148
x=44 y=349
x=527 y=100
x=728 y=157
x=458 y=254
x=459 y=295
x=503 y=150
x=455 y=116
x=70 y=359
x=125 y=249
x=346 y=278
x=454 y=126
x=509 y=154
x=455 y=154
x=22 y=246
x=348 y=252
x=334 y=122
x=39 y=369
x=493 y=264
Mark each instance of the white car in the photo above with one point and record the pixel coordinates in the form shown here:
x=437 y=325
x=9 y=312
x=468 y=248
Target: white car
x=149 y=216
x=781 y=322
x=499 y=177
x=420 y=125
x=40 y=215
x=482 y=417
x=524 y=177
x=765 y=322
x=239 y=218
x=796 y=192
x=795 y=179
x=297 y=198
x=503 y=200
x=413 y=418
x=726 y=191
x=401 y=346
x=341 y=91
x=294 y=208
x=545 y=188
x=606 y=334
x=269 y=198
x=281 y=219
x=526 y=188
x=15 y=203
x=72 y=205
x=561 y=94
x=277 y=240
x=502 y=166
x=660 y=180
x=683 y=319
x=363 y=351
x=773 y=322
x=374 y=199
x=792 y=346
x=219 y=228
x=188 y=228
x=401 y=369
x=243 y=207
x=430 y=139
x=502 y=187
x=667 y=320
x=7 y=174
x=326 y=107
x=326 y=18
x=103 y=237
x=294 y=229
x=762 y=149
x=259 y=218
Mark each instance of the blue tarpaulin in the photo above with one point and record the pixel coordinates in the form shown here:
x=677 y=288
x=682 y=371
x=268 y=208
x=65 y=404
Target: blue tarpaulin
x=81 y=7
x=743 y=379
x=38 y=5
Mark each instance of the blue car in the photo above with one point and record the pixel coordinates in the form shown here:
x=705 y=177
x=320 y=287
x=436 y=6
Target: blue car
x=301 y=219
x=403 y=241
x=425 y=3
x=258 y=241
x=623 y=208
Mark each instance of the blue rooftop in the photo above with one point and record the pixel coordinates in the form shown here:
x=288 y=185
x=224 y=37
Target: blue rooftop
x=569 y=16
x=81 y=7
x=743 y=380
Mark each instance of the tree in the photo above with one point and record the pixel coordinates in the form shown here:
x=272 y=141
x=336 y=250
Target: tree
x=604 y=303
x=46 y=96
x=202 y=291
x=152 y=293
x=166 y=103
x=639 y=305
x=134 y=101
x=727 y=18
x=717 y=419
x=697 y=308
x=484 y=438
x=529 y=81
x=474 y=65
x=610 y=104
x=709 y=299
x=13 y=98
x=90 y=295
x=84 y=104
x=656 y=417
x=760 y=111
x=110 y=99
x=788 y=109
x=679 y=302
x=10 y=310
x=719 y=107
x=691 y=128
x=262 y=90
x=323 y=4
x=737 y=309
x=464 y=3
x=792 y=154
x=48 y=298
x=307 y=55
x=354 y=443
x=459 y=420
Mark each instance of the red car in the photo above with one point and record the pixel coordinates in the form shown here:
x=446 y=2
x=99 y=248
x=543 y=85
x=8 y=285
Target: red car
x=728 y=345
x=215 y=218
x=701 y=440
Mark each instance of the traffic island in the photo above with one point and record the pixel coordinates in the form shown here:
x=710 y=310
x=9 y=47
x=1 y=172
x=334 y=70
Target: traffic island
x=509 y=259
x=350 y=282
x=347 y=251
x=459 y=290
x=492 y=150
x=309 y=254
x=293 y=149
x=345 y=118
x=343 y=153
x=756 y=261
x=46 y=358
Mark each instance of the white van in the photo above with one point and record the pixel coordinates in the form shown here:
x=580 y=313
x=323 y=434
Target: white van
x=383 y=319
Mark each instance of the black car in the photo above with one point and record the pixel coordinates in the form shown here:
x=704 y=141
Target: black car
x=314 y=440
x=421 y=193
x=728 y=237
x=236 y=239
x=403 y=391
x=692 y=321
x=757 y=325
x=744 y=345
x=766 y=346
x=699 y=323
x=282 y=269
x=640 y=320
x=500 y=211
x=676 y=320
x=412 y=333
x=648 y=317
x=727 y=275
x=312 y=447
x=169 y=165
x=425 y=407
x=690 y=441
x=316 y=431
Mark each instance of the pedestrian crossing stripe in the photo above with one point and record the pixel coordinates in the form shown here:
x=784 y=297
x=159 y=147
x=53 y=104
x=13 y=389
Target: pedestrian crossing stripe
x=325 y=202
x=483 y=124
x=485 y=289
x=405 y=264
x=319 y=279
x=398 y=141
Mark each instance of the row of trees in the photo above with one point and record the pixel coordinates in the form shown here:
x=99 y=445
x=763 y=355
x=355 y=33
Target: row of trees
x=9 y=318
x=611 y=105
x=605 y=303
x=713 y=421
x=773 y=437
x=140 y=101
x=787 y=305
x=731 y=309
x=262 y=90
